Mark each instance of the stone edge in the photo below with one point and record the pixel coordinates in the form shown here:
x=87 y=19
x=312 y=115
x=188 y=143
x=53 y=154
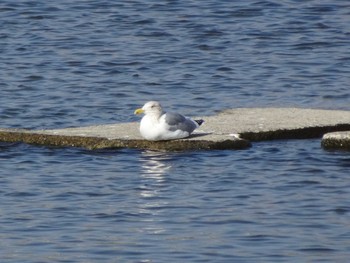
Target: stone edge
x=93 y=143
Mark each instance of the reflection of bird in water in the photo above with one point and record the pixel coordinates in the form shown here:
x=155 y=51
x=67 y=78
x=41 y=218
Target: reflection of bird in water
x=154 y=164
x=159 y=125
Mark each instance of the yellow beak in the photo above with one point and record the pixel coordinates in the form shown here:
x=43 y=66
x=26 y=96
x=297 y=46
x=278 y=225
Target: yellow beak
x=139 y=111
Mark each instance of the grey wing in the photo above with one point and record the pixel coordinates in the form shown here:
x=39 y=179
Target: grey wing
x=178 y=122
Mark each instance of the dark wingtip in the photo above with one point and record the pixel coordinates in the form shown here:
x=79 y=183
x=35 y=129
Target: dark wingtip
x=199 y=122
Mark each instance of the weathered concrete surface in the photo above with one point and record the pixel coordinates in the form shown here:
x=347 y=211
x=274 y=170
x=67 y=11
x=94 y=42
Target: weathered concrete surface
x=218 y=132
x=123 y=135
x=336 y=140
x=259 y=124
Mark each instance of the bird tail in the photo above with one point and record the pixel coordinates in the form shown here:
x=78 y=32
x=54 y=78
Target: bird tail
x=199 y=122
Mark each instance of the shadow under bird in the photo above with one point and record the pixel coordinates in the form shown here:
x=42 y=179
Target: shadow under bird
x=158 y=125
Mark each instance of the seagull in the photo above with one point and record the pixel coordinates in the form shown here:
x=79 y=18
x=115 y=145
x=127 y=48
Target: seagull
x=158 y=125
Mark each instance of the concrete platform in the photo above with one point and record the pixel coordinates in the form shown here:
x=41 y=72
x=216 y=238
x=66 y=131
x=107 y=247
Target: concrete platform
x=336 y=141
x=218 y=132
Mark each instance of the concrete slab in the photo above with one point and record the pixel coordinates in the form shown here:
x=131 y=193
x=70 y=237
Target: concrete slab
x=218 y=132
x=259 y=124
x=336 y=141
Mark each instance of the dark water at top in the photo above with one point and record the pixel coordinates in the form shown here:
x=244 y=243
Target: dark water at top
x=82 y=62
x=72 y=63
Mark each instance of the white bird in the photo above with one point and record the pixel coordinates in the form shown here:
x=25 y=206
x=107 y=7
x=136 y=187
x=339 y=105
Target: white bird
x=158 y=125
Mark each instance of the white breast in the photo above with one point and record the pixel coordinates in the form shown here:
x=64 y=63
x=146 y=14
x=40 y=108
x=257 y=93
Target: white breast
x=149 y=128
x=156 y=129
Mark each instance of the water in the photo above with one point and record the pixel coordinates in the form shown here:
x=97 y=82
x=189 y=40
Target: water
x=273 y=203
x=73 y=63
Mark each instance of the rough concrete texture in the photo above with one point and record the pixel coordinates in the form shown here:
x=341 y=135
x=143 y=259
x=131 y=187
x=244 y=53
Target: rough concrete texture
x=259 y=124
x=97 y=137
x=218 y=132
x=336 y=140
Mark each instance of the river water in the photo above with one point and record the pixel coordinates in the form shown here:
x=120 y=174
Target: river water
x=73 y=63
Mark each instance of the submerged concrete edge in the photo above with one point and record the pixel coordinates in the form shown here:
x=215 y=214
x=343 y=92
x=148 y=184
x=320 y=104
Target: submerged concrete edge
x=336 y=141
x=92 y=143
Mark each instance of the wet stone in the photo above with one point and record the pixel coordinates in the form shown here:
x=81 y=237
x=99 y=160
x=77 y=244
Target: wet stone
x=336 y=140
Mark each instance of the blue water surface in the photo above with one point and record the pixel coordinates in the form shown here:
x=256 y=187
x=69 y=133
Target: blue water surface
x=286 y=202
x=73 y=63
